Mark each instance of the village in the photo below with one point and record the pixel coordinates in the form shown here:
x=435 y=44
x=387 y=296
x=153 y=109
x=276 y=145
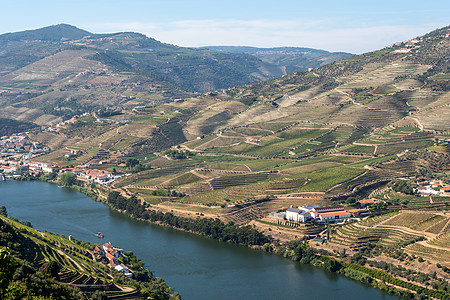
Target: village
x=19 y=157
x=429 y=188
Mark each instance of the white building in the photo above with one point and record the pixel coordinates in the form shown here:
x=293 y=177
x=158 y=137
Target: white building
x=294 y=214
x=123 y=269
x=334 y=215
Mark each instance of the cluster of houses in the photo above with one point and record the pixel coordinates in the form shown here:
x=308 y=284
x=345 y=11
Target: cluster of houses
x=101 y=176
x=16 y=166
x=428 y=188
x=407 y=45
x=321 y=214
x=20 y=144
x=16 y=152
x=111 y=255
x=72 y=120
x=72 y=154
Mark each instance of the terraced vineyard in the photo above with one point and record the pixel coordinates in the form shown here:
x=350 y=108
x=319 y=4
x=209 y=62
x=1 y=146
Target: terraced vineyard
x=442 y=240
x=400 y=201
x=244 y=214
x=140 y=178
x=357 y=234
x=369 y=177
x=405 y=167
x=76 y=263
x=236 y=180
x=436 y=254
x=414 y=220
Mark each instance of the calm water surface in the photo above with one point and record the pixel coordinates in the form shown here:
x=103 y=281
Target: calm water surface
x=196 y=267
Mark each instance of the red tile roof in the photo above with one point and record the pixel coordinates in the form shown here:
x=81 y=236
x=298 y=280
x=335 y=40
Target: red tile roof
x=334 y=213
x=369 y=201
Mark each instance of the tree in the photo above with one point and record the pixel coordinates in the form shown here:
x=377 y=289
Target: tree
x=99 y=295
x=7 y=268
x=350 y=200
x=131 y=162
x=68 y=178
x=3 y=211
x=51 y=269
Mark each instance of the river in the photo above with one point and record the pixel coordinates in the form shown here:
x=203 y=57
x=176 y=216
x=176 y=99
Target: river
x=196 y=267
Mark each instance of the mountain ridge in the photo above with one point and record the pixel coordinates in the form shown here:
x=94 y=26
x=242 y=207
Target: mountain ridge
x=293 y=59
x=51 y=33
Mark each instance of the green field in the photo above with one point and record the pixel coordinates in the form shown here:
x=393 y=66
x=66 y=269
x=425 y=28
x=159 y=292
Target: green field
x=323 y=180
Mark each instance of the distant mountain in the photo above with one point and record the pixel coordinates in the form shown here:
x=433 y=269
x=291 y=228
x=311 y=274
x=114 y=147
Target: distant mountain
x=407 y=81
x=193 y=70
x=292 y=59
x=255 y=50
x=22 y=48
x=54 y=33
x=60 y=70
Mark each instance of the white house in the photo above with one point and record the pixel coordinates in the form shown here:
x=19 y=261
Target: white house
x=48 y=168
x=123 y=269
x=294 y=214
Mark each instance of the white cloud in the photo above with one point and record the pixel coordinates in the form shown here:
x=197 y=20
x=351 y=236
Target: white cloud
x=272 y=33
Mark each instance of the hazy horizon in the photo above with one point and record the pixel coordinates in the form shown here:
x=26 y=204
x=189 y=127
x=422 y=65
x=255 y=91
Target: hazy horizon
x=354 y=27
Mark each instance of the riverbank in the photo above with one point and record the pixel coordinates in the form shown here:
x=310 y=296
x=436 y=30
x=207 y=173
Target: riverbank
x=215 y=230
x=294 y=250
x=195 y=266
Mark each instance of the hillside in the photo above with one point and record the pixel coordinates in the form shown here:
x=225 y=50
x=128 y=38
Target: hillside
x=36 y=264
x=54 y=33
x=340 y=130
x=9 y=127
x=291 y=59
x=18 y=49
x=408 y=80
x=374 y=126
x=51 y=73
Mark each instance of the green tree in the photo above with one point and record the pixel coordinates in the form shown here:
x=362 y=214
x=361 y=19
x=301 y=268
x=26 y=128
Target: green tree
x=51 y=269
x=7 y=268
x=131 y=162
x=350 y=200
x=99 y=295
x=68 y=178
x=3 y=211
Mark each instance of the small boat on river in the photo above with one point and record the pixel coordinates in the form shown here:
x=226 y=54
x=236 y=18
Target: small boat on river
x=100 y=235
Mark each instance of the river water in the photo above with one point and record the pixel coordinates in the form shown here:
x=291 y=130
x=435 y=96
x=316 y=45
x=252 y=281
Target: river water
x=196 y=267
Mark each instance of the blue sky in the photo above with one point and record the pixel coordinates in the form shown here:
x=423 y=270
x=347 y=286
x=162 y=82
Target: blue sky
x=351 y=26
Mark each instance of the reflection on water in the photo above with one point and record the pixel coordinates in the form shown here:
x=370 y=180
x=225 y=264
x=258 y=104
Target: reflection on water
x=196 y=267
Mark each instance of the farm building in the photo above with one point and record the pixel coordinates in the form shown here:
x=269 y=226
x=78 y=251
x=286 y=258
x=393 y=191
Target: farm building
x=294 y=214
x=328 y=209
x=277 y=215
x=366 y=202
x=445 y=190
x=334 y=215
